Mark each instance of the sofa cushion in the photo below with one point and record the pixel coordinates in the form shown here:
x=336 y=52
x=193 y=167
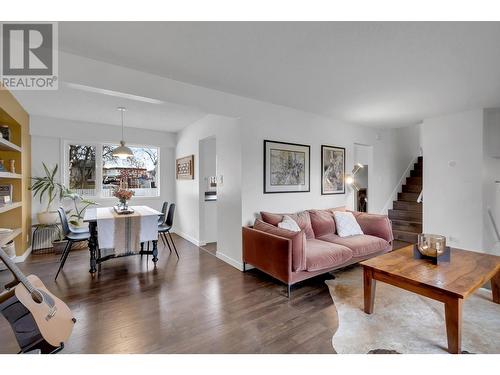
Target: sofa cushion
x=322 y=222
x=298 y=242
x=346 y=224
x=289 y=223
x=361 y=245
x=375 y=225
x=301 y=218
x=322 y=255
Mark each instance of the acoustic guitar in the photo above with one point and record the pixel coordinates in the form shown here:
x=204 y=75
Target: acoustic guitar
x=52 y=316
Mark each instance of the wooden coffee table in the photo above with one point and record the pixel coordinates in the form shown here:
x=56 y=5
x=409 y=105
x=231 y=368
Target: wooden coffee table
x=449 y=283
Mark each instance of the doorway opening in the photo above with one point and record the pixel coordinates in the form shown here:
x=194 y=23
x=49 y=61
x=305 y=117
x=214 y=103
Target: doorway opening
x=208 y=194
x=363 y=160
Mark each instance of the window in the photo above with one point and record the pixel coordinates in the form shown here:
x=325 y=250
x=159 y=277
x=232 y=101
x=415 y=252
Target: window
x=139 y=173
x=82 y=171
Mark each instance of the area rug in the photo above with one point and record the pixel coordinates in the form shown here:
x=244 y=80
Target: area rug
x=404 y=322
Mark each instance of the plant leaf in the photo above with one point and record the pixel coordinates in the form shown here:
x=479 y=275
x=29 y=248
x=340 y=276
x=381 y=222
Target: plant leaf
x=47 y=173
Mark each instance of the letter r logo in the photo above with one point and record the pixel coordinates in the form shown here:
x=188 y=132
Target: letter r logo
x=27 y=49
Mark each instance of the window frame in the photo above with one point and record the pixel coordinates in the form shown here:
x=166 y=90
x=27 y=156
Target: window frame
x=99 y=165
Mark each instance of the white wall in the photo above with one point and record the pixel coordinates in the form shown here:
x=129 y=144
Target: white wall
x=491 y=179
x=282 y=124
x=453 y=159
x=48 y=136
x=187 y=224
x=208 y=209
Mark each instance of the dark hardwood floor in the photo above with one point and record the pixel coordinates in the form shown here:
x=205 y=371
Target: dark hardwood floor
x=198 y=304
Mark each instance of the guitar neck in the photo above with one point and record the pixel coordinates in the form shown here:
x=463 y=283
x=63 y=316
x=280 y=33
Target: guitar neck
x=15 y=270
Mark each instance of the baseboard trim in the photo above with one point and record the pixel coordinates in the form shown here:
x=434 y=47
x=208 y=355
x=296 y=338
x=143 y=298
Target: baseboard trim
x=22 y=258
x=187 y=237
x=232 y=262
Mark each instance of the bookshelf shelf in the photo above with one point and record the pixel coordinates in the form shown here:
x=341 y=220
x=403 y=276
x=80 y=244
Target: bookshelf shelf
x=10 y=175
x=5 y=145
x=9 y=237
x=10 y=206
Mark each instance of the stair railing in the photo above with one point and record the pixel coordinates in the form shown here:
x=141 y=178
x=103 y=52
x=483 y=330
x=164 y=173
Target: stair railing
x=420 y=198
x=394 y=193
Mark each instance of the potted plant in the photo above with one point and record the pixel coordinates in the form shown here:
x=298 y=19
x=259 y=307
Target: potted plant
x=47 y=187
x=80 y=204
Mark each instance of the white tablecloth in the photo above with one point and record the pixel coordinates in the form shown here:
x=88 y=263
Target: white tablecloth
x=122 y=234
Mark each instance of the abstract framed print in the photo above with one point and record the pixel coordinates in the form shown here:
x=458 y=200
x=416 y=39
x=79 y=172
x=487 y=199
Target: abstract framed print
x=286 y=167
x=332 y=170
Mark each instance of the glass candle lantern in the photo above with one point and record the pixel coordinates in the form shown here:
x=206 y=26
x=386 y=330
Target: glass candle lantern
x=431 y=245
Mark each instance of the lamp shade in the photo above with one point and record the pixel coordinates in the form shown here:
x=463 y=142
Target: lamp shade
x=122 y=151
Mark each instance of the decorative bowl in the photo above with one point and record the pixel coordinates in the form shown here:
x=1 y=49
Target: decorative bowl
x=431 y=245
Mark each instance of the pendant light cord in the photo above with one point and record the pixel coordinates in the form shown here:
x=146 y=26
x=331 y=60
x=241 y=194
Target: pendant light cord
x=122 y=125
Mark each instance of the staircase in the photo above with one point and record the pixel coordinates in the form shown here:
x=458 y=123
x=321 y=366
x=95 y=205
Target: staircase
x=406 y=214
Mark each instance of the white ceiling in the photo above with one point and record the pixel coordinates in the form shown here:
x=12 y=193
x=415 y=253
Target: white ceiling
x=371 y=73
x=99 y=106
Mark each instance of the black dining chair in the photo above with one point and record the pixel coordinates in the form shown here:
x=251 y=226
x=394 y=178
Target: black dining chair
x=165 y=228
x=71 y=235
x=161 y=221
x=163 y=216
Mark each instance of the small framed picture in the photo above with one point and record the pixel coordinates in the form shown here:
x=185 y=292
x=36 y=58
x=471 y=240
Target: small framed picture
x=184 y=168
x=332 y=170
x=286 y=167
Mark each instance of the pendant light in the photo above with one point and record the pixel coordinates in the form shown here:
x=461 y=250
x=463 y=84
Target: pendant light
x=122 y=151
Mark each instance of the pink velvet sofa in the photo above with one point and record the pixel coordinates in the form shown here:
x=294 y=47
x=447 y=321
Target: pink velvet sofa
x=292 y=257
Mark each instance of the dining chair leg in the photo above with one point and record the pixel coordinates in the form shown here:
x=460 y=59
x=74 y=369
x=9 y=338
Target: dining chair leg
x=173 y=243
x=64 y=251
x=65 y=256
x=168 y=243
x=162 y=239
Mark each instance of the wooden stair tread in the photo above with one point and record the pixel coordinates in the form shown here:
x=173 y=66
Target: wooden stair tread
x=408 y=196
x=404 y=231
x=398 y=221
x=412 y=188
x=405 y=214
x=401 y=235
x=408 y=206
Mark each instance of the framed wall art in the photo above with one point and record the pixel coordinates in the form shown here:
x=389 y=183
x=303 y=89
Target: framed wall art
x=286 y=167
x=332 y=170
x=184 y=168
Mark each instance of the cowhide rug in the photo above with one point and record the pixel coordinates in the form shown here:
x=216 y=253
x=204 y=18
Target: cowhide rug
x=405 y=322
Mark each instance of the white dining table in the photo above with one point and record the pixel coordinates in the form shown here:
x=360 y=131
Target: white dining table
x=91 y=216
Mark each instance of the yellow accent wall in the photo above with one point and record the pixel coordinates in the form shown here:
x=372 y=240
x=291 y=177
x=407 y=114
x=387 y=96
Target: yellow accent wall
x=13 y=115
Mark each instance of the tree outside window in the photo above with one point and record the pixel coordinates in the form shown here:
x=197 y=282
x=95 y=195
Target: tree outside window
x=82 y=170
x=138 y=173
